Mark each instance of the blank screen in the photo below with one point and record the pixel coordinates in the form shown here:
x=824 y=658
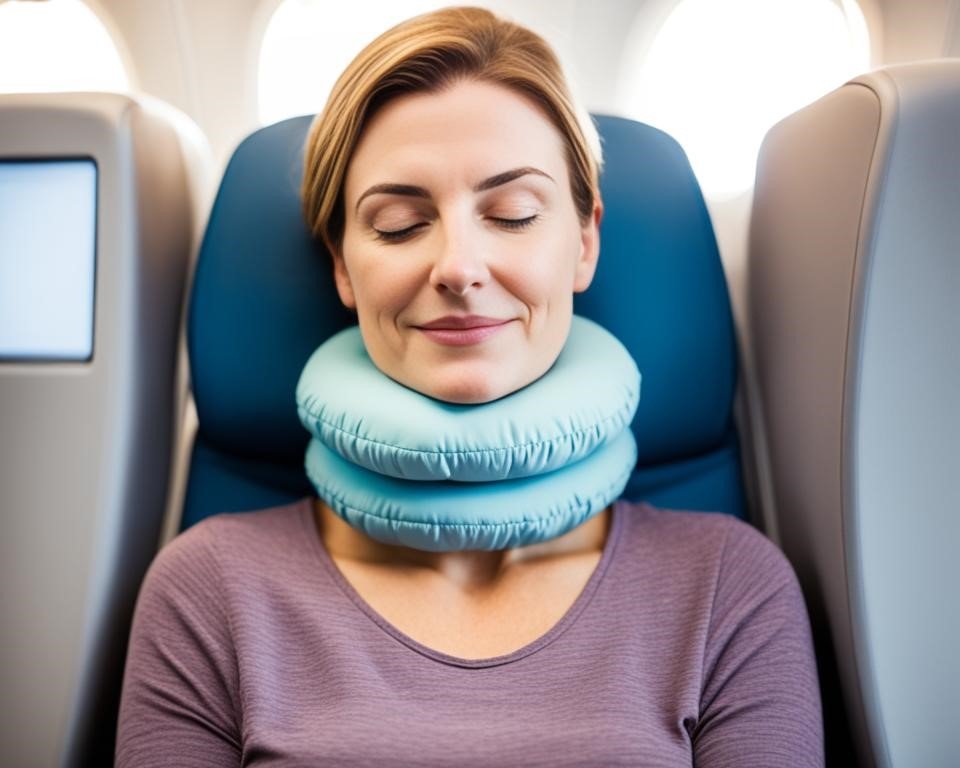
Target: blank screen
x=47 y=255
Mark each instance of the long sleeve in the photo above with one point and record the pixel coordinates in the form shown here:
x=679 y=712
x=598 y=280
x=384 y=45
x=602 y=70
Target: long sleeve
x=179 y=705
x=760 y=704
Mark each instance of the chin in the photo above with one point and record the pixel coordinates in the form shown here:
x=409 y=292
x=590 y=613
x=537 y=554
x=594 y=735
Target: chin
x=464 y=389
x=473 y=385
x=462 y=393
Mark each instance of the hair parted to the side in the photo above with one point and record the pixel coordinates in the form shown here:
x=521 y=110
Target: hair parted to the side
x=427 y=53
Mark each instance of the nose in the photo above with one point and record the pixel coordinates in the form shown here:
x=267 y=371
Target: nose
x=460 y=265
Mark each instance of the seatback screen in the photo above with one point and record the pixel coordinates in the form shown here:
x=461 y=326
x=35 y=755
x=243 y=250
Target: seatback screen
x=48 y=212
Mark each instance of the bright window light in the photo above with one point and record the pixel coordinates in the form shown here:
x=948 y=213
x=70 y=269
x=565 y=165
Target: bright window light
x=308 y=43
x=57 y=45
x=719 y=75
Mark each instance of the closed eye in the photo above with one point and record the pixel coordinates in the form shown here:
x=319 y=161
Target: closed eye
x=515 y=223
x=396 y=235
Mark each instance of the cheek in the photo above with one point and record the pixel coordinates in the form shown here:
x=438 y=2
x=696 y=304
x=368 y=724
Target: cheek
x=544 y=270
x=379 y=293
x=378 y=280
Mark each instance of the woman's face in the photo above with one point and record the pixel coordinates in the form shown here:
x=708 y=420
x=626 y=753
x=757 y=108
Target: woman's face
x=462 y=247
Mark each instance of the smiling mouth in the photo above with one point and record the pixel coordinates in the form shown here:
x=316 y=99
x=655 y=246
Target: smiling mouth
x=457 y=331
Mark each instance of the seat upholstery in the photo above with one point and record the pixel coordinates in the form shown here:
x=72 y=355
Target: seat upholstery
x=263 y=299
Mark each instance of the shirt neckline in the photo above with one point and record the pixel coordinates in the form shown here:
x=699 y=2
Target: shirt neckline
x=565 y=622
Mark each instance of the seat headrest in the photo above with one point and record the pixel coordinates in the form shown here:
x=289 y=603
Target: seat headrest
x=263 y=298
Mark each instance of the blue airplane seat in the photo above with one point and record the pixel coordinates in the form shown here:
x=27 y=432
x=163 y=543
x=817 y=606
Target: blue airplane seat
x=263 y=299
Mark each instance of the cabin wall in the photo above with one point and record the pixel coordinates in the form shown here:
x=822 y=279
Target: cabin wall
x=919 y=29
x=202 y=57
x=198 y=56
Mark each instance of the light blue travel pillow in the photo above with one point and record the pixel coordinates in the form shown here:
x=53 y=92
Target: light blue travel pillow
x=411 y=470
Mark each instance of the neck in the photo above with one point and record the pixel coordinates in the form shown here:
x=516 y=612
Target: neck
x=469 y=569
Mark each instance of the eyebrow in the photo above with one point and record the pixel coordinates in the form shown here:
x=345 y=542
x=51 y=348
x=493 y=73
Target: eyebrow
x=494 y=181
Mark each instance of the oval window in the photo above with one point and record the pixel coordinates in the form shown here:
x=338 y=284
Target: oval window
x=57 y=45
x=308 y=43
x=717 y=76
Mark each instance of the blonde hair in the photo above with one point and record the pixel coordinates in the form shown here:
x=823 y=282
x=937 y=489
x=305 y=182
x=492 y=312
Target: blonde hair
x=428 y=53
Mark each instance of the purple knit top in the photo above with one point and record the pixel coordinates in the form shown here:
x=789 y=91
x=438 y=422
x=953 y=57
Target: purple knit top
x=689 y=645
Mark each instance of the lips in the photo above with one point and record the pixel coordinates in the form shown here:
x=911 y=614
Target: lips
x=462 y=330
x=459 y=322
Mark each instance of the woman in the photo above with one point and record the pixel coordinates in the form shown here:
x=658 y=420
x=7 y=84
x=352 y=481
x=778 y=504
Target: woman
x=457 y=192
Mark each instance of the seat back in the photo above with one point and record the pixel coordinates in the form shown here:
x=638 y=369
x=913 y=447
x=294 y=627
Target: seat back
x=854 y=286
x=96 y=233
x=263 y=299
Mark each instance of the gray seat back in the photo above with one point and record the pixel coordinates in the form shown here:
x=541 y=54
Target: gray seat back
x=96 y=231
x=854 y=291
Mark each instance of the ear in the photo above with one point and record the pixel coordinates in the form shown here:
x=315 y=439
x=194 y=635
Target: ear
x=589 y=249
x=342 y=280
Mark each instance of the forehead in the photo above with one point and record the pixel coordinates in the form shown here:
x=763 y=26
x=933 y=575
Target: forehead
x=466 y=132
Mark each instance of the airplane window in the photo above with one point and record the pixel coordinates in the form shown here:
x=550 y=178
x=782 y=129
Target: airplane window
x=57 y=45
x=717 y=76
x=306 y=43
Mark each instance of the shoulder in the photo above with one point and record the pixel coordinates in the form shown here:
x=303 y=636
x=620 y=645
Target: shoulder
x=242 y=530
x=684 y=524
x=725 y=560
x=698 y=536
x=225 y=542
x=751 y=585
